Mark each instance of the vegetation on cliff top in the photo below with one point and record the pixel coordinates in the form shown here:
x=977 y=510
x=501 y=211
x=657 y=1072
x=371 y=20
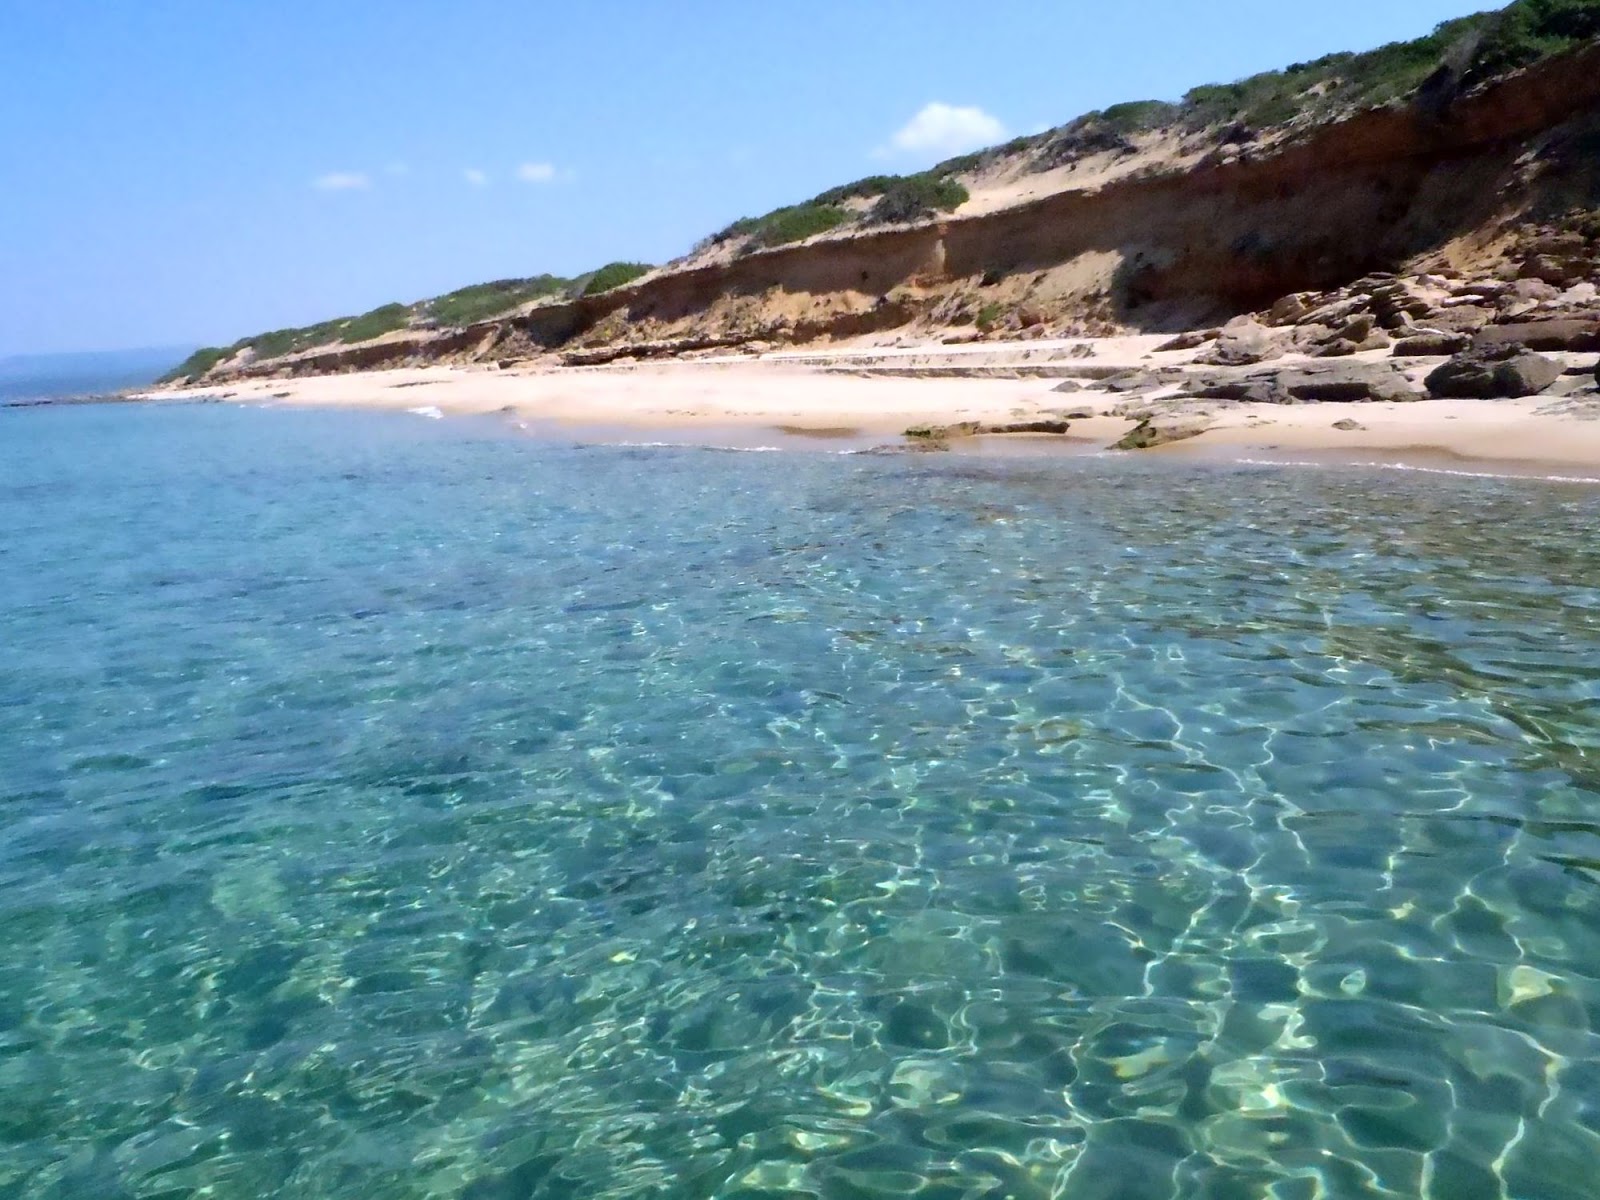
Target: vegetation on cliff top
x=468 y=305
x=612 y=276
x=1456 y=56
x=894 y=198
x=454 y=310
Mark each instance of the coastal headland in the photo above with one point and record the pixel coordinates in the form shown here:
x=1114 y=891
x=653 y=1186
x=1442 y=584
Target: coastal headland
x=1394 y=251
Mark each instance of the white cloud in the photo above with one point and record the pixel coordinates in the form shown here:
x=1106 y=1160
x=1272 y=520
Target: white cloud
x=948 y=129
x=342 y=181
x=537 y=172
x=476 y=177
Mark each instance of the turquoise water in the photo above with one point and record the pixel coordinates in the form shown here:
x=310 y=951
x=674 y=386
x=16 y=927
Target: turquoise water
x=390 y=808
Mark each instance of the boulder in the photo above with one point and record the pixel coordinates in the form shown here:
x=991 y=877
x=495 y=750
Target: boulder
x=1494 y=373
x=1160 y=430
x=1241 y=345
x=1315 y=383
x=1431 y=344
x=1348 y=425
x=1560 y=334
x=1461 y=318
x=1318 y=383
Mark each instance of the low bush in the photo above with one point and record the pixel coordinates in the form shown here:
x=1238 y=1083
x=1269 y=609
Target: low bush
x=861 y=189
x=197 y=364
x=1138 y=116
x=798 y=223
x=612 y=276
x=384 y=319
x=914 y=196
x=468 y=305
x=287 y=341
x=1530 y=30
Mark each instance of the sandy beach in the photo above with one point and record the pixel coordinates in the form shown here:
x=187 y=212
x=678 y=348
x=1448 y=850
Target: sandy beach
x=869 y=396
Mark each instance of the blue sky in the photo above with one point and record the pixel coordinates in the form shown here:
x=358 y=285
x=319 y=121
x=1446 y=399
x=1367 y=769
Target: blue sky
x=191 y=171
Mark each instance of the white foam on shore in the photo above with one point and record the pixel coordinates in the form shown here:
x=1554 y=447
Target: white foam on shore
x=688 y=446
x=429 y=411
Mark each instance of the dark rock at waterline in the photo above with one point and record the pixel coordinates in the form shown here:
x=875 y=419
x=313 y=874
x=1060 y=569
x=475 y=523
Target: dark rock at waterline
x=1160 y=431
x=964 y=429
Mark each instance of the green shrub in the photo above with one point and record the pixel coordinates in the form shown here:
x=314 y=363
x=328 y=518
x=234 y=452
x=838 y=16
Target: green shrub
x=1138 y=116
x=288 y=341
x=915 y=196
x=1486 y=43
x=989 y=316
x=385 y=319
x=743 y=227
x=197 y=364
x=861 y=189
x=798 y=223
x=612 y=276
x=468 y=305
x=1530 y=30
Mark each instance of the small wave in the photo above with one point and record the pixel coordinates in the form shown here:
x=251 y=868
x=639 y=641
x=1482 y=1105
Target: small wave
x=1419 y=469
x=686 y=446
x=427 y=410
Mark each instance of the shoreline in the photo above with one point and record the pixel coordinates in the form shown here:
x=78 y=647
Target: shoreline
x=772 y=404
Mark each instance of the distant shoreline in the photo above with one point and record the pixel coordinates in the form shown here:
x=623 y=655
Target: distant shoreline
x=776 y=403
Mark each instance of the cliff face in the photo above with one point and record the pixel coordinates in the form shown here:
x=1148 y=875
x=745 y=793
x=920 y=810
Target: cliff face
x=1443 y=184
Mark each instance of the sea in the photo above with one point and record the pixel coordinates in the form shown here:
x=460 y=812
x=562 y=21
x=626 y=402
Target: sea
x=30 y=379
x=395 y=808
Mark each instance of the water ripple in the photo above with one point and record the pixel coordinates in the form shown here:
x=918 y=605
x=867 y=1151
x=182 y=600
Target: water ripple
x=391 y=809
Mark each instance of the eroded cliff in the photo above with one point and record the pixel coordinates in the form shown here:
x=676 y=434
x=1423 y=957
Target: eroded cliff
x=1455 y=181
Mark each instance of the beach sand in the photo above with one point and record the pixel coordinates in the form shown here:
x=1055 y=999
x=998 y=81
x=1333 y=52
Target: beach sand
x=807 y=399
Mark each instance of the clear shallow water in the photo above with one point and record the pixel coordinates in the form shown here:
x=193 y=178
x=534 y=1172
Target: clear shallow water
x=392 y=809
